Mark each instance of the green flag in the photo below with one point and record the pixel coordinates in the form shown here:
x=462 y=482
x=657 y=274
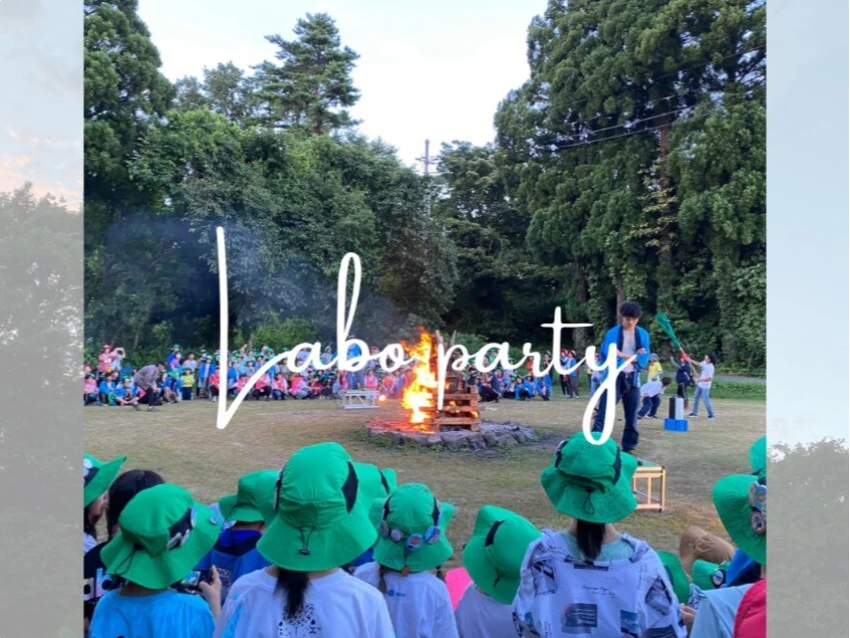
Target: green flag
x=667 y=327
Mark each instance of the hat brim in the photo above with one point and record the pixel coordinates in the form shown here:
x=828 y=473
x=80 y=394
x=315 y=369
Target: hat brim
x=123 y=558
x=678 y=577
x=484 y=574
x=394 y=555
x=232 y=510
x=731 y=501
x=301 y=550
x=98 y=486
x=594 y=507
x=758 y=457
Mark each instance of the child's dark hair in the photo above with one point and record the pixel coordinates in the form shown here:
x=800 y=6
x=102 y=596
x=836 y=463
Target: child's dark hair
x=665 y=381
x=589 y=537
x=89 y=521
x=124 y=488
x=631 y=310
x=382 y=582
x=294 y=585
x=712 y=357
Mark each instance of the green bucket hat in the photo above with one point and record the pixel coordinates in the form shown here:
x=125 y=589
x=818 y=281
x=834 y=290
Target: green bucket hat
x=590 y=482
x=493 y=556
x=163 y=533
x=741 y=503
x=412 y=529
x=375 y=482
x=708 y=575
x=98 y=476
x=758 y=457
x=175 y=347
x=246 y=506
x=321 y=520
x=677 y=575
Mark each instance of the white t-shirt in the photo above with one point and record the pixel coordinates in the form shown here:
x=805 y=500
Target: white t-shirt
x=651 y=389
x=419 y=604
x=629 y=348
x=479 y=616
x=334 y=605
x=706 y=370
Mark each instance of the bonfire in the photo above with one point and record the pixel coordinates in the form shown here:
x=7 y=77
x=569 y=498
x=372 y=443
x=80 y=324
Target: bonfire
x=460 y=400
x=420 y=396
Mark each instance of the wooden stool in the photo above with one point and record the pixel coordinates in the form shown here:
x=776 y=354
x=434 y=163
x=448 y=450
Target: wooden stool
x=650 y=472
x=360 y=399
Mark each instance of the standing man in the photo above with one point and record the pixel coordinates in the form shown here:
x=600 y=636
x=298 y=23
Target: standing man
x=146 y=379
x=630 y=340
x=703 y=391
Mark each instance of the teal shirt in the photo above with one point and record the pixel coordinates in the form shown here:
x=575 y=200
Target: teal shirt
x=618 y=550
x=168 y=614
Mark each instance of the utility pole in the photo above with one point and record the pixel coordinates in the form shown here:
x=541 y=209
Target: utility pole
x=427 y=161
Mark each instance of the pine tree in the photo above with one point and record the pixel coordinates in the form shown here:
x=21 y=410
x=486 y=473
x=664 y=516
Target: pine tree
x=312 y=87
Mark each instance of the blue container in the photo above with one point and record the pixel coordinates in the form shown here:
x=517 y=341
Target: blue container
x=676 y=425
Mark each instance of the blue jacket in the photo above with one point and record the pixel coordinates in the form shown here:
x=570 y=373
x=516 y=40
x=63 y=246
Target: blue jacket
x=613 y=337
x=234 y=555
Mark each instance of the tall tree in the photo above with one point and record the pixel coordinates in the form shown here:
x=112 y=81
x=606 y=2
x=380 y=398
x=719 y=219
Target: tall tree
x=597 y=149
x=225 y=90
x=124 y=95
x=311 y=89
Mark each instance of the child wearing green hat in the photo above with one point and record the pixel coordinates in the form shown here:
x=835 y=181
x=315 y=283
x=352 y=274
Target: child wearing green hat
x=235 y=553
x=320 y=523
x=741 y=503
x=96 y=582
x=493 y=558
x=162 y=534
x=590 y=577
x=412 y=541
x=97 y=477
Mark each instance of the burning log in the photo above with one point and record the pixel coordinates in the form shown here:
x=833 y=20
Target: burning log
x=460 y=400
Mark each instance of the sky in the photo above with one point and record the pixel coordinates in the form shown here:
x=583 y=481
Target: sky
x=427 y=70
x=41 y=139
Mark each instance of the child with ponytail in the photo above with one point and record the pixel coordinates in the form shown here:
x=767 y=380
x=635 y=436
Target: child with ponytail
x=320 y=523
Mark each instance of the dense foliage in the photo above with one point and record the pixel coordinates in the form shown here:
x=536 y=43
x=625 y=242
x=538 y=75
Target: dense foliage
x=629 y=165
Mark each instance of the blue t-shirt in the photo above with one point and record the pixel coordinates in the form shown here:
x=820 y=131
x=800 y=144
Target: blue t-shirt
x=167 y=614
x=620 y=549
x=234 y=555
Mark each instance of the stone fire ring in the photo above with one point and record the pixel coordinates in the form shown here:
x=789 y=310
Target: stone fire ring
x=490 y=435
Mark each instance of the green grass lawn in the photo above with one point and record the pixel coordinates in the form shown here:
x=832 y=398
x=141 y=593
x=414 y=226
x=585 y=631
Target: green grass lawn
x=182 y=443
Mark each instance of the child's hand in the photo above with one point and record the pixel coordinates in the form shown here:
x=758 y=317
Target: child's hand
x=212 y=593
x=688 y=616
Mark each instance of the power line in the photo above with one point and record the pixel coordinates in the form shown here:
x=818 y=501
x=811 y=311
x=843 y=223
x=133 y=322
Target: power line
x=614 y=137
x=665 y=75
x=554 y=137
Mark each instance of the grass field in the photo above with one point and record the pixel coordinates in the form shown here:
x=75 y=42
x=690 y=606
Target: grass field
x=182 y=443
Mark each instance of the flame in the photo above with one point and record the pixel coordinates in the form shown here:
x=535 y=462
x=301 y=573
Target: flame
x=420 y=393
